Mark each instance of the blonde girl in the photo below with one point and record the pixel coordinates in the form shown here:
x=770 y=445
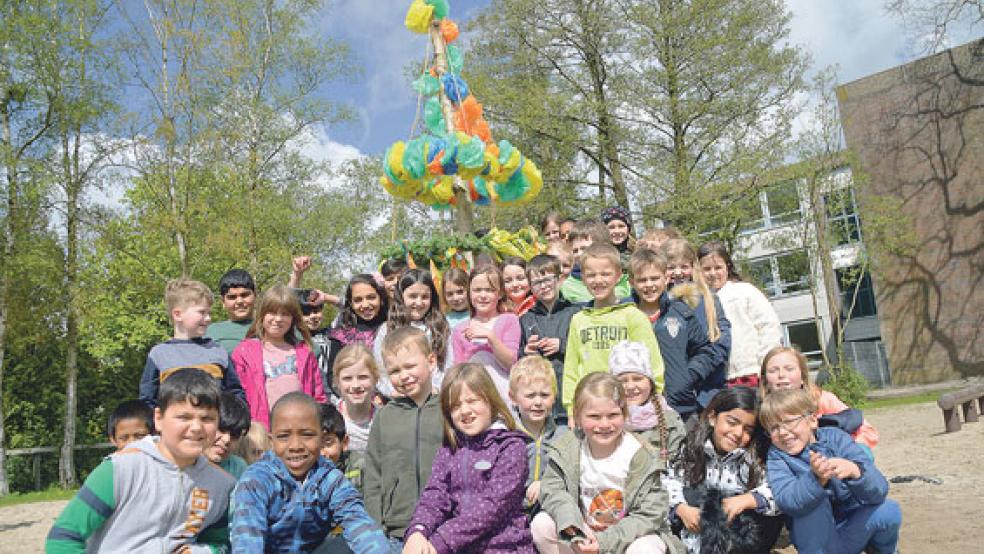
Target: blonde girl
x=491 y=337
x=473 y=501
x=455 y=294
x=273 y=361
x=602 y=490
x=356 y=374
x=648 y=414
x=786 y=368
x=755 y=327
x=254 y=443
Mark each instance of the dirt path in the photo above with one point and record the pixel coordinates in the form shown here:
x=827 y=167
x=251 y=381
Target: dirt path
x=936 y=518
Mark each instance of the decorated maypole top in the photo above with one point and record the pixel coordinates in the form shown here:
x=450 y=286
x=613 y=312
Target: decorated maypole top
x=455 y=162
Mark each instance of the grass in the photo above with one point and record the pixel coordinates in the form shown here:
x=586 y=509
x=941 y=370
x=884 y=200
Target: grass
x=878 y=403
x=49 y=495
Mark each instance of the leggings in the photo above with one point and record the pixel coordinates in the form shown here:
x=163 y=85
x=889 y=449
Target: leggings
x=545 y=538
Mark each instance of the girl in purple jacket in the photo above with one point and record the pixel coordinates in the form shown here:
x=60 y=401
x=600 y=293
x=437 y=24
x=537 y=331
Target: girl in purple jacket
x=473 y=501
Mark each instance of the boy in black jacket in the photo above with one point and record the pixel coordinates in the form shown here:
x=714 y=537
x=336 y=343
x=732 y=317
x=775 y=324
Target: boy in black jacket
x=546 y=324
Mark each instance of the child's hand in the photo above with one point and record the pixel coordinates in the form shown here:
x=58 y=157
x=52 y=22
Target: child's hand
x=301 y=264
x=844 y=469
x=690 y=517
x=532 y=345
x=418 y=544
x=477 y=330
x=533 y=493
x=735 y=505
x=587 y=545
x=821 y=468
x=549 y=347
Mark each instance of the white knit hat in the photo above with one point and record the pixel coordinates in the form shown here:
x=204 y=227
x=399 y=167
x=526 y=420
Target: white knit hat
x=629 y=357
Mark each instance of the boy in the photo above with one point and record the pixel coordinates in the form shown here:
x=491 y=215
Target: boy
x=159 y=494
x=562 y=251
x=130 y=421
x=533 y=391
x=604 y=323
x=835 y=497
x=189 y=304
x=546 y=324
x=653 y=239
x=405 y=435
x=233 y=424
x=585 y=233
x=291 y=499
x=238 y=296
x=336 y=446
x=691 y=377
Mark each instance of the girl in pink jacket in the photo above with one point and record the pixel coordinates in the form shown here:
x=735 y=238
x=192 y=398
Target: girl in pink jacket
x=276 y=357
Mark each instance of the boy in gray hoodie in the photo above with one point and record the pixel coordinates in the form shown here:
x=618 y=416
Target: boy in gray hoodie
x=159 y=494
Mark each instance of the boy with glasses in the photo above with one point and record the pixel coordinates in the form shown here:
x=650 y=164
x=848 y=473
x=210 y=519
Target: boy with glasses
x=546 y=324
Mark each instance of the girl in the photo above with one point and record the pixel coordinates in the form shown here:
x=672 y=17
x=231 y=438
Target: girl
x=490 y=337
x=619 y=223
x=601 y=490
x=415 y=302
x=724 y=457
x=456 y=297
x=550 y=227
x=649 y=415
x=785 y=368
x=356 y=375
x=473 y=501
x=254 y=443
x=755 y=326
x=517 y=285
x=362 y=314
x=681 y=258
x=272 y=361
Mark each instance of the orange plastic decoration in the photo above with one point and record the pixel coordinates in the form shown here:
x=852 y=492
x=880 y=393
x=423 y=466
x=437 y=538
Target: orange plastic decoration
x=481 y=129
x=435 y=168
x=449 y=30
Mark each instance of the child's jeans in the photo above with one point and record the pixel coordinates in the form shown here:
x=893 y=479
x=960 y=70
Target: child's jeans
x=876 y=526
x=544 y=531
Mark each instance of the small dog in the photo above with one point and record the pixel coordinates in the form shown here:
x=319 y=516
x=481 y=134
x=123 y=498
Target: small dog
x=748 y=533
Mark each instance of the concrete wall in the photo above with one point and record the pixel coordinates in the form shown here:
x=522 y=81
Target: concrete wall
x=918 y=130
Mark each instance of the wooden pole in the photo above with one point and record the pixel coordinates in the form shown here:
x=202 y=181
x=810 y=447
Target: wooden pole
x=464 y=219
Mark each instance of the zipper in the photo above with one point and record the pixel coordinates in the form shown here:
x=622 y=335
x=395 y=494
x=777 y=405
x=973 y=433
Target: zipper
x=416 y=447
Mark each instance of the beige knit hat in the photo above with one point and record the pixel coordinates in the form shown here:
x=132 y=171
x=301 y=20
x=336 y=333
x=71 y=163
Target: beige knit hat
x=629 y=357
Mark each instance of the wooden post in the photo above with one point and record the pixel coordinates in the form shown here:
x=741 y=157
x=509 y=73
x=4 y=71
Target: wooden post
x=970 y=411
x=463 y=216
x=36 y=469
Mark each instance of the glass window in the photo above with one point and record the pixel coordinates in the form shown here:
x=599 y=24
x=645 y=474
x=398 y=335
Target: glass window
x=803 y=335
x=842 y=216
x=794 y=272
x=759 y=273
x=848 y=280
x=783 y=204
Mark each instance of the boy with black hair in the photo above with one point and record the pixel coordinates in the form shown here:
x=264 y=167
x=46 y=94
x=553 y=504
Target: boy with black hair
x=130 y=421
x=546 y=324
x=233 y=424
x=189 y=307
x=238 y=292
x=159 y=494
x=292 y=498
x=336 y=446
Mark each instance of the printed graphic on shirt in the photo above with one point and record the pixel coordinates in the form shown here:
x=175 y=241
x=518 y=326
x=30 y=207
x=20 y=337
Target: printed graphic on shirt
x=607 y=507
x=672 y=326
x=196 y=513
x=604 y=337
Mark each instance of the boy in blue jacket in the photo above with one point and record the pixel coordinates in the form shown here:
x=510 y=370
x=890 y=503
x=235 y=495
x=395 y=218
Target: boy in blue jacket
x=831 y=490
x=292 y=498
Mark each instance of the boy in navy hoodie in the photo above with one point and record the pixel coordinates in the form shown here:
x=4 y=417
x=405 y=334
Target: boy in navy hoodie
x=691 y=377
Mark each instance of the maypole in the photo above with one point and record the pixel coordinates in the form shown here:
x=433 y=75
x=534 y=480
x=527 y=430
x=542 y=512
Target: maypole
x=455 y=162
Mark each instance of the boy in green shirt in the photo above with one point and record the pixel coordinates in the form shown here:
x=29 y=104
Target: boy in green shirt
x=238 y=291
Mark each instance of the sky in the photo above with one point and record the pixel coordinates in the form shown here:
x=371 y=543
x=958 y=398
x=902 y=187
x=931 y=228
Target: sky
x=856 y=35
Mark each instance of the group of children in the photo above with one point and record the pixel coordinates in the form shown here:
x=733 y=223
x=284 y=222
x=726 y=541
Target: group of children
x=582 y=401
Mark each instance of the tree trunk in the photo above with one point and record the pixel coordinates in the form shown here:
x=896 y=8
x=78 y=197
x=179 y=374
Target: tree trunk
x=819 y=211
x=464 y=218
x=73 y=186
x=8 y=254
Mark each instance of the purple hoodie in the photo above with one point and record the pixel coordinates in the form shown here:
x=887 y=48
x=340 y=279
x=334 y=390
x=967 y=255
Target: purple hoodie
x=473 y=501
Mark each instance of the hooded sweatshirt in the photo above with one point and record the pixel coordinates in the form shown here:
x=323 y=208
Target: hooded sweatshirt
x=473 y=502
x=274 y=512
x=593 y=333
x=137 y=500
x=403 y=441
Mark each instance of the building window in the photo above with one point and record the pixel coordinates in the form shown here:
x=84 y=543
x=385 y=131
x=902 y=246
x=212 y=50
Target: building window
x=780 y=274
x=842 y=216
x=803 y=335
x=775 y=206
x=849 y=280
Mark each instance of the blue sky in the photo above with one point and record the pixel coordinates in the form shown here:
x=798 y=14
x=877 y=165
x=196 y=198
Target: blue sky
x=855 y=34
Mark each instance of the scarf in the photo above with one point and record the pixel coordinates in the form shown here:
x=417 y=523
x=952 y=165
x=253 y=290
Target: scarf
x=642 y=418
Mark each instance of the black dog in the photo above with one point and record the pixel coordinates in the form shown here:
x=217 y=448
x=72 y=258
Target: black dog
x=748 y=533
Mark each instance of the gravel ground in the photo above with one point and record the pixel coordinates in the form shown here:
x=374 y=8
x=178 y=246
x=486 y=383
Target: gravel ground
x=936 y=518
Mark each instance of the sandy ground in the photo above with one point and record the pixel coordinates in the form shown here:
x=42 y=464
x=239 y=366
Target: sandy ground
x=936 y=518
